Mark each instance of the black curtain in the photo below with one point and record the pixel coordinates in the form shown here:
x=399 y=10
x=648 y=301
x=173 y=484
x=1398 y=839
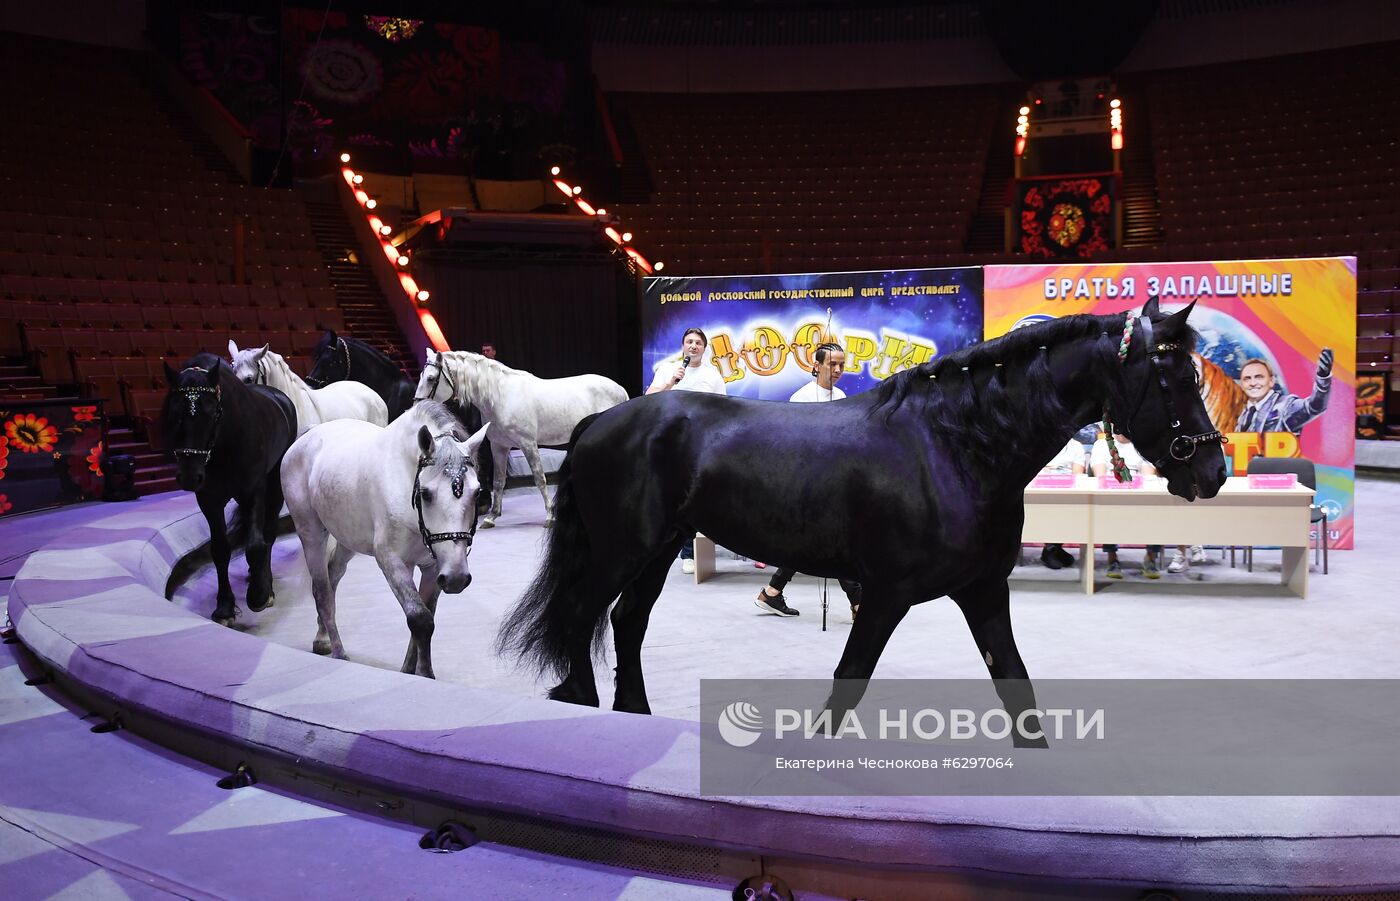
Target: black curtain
x=552 y=319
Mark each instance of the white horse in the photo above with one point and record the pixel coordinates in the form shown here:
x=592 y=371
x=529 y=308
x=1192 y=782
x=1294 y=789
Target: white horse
x=405 y=494
x=338 y=400
x=524 y=411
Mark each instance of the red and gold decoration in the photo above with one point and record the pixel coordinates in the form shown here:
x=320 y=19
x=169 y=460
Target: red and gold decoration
x=1370 y=405
x=50 y=454
x=1065 y=217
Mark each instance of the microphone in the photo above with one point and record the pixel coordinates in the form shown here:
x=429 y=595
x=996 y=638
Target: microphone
x=685 y=361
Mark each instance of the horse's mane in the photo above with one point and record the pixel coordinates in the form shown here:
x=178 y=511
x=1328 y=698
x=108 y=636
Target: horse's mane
x=376 y=356
x=272 y=359
x=436 y=416
x=967 y=397
x=481 y=376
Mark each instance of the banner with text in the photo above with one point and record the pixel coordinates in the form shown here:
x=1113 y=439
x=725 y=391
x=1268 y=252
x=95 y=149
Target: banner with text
x=1277 y=349
x=764 y=328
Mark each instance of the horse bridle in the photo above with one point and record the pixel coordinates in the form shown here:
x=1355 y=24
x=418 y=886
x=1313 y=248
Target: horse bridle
x=191 y=395
x=1182 y=446
x=459 y=477
x=345 y=350
x=437 y=379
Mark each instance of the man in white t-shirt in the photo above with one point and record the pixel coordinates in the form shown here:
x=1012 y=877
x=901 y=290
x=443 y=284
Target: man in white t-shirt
x=831 y=364
x=692 y=372
x=1069 y=459
x=1101 y=462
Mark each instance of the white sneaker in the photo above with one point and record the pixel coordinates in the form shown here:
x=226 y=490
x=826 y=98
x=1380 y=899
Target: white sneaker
x=1178 y=564
x=688 y=567
x=1198 y=554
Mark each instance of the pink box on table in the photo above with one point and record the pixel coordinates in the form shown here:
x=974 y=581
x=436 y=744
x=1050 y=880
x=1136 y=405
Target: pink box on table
x=1053 y=480
x=1273 y=479
x=1108 y=480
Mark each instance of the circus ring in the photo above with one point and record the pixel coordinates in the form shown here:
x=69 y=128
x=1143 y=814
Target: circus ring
x=598 y=785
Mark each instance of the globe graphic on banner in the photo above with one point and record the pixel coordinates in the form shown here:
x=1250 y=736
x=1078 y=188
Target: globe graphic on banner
x=1228 y=343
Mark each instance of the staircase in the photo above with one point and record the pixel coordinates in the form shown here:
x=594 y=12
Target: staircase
x=635 y=184
x=987 y=232
x=20 y=381
x=367 y=314
x=1142 y=214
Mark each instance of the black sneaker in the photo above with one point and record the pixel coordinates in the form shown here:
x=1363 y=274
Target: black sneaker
x=1062 y=555
x=775 y=604
x=1049 y=559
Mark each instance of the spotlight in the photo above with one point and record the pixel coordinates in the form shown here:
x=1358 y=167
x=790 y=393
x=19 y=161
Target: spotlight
x=577 y=190
x=345 y=157
x=403 y=260
x=371 y=203
x=659 y=266
x=553 y=170
x=602 y=212
x=1025 y=110
x=358 y=179
x=626 y=236
x=386 y=230
x=423 y=296
x=1115 y=103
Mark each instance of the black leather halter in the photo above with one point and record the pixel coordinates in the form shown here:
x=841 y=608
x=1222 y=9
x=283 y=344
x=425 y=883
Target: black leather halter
x=438 y=375
x=191 y=395
x=1182 y=446
x=459 y=478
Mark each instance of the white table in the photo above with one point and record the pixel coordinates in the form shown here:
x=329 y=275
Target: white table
x=1087 y=515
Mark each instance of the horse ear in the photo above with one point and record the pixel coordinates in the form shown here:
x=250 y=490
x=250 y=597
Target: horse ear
x=213 y=373
x=232 y=348
x=262 y=351
x=471 y=444
x=1151 y=309
x=170 y=374
x=330 y=334
x=428 y=357
x=1178 y=319
x=425 y=441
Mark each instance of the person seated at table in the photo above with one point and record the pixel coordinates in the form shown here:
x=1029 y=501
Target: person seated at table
x=1069 y=459
x=1101 y=463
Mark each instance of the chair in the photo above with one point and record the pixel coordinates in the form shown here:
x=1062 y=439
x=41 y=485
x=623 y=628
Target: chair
x=1306 y=472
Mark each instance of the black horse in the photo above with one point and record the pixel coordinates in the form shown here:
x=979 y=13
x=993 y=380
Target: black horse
x=338 y=358
x=229 y=439
x=915 y=490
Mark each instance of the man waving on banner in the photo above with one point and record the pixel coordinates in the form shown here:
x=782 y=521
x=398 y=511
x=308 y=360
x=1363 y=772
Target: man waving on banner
x=1270 y=410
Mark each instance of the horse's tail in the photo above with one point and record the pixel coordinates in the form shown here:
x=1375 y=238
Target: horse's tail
x=542 y=627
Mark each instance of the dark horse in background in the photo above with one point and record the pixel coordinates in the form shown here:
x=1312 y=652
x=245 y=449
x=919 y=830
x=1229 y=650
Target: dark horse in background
x=229 y=439
x=339 y=358
x=914 y=489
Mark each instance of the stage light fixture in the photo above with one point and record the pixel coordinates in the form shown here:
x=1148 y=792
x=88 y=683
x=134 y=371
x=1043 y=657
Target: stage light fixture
x=577 y=190
x=553 y=170
x=602 y=212
x=626 y=236
x=423 y=296
x=1114 y=103
x=1025 y=110
x=660 y=265
x=358 y=179
x=345 y=157
x=371 y=203
x=403 y=260
x=386 y=230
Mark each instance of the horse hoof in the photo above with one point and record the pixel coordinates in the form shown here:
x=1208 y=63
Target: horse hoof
x=488 y=523
x=258 y=608
x=628 y=707
x=321 y=647
x=223 y=620
x=567 y=694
